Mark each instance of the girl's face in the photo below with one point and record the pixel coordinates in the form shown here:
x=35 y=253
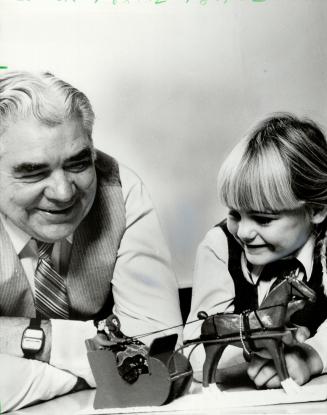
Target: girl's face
x=269 y=236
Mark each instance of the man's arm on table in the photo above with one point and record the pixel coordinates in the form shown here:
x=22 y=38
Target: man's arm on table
x=24 y=381
x=145 y=293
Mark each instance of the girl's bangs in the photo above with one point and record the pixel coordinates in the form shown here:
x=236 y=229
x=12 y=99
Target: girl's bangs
x=258 y=183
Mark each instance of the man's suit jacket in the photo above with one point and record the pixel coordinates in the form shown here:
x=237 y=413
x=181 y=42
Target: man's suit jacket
x=93 y=256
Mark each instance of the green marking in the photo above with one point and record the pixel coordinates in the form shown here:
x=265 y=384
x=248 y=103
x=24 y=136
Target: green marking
x=3 y=67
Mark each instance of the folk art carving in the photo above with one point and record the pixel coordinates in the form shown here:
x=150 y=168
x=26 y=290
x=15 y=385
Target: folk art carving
x=127 y=373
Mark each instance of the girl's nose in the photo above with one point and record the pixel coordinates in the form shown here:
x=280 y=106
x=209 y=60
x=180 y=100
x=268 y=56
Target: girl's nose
x=246 y=230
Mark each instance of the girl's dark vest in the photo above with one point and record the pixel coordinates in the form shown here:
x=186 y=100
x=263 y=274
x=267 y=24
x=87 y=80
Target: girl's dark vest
x=246 y=296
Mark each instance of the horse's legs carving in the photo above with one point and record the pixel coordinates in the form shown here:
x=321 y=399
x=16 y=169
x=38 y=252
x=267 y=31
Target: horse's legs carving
x=213 y=354
x=275 y=348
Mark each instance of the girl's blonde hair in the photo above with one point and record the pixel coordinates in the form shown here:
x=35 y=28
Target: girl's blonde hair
x=280 y=165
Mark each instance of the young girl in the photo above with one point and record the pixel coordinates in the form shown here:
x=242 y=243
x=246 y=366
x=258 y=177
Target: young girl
x=274 y=184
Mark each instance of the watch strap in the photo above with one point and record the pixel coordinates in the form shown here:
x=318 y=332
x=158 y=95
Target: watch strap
x=35 y=324
x=29 y=355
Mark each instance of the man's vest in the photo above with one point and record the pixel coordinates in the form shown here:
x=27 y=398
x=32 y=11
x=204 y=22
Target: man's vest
x=93 y=256
x=246 y=296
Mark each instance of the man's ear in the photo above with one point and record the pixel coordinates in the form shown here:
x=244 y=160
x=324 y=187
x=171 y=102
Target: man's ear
x=318 y=214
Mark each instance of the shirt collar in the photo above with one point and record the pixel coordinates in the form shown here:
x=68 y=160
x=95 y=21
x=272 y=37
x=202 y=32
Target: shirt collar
x=18 y=237
x=306 y=254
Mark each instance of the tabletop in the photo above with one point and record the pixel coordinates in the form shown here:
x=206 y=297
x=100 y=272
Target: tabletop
x=82 y=402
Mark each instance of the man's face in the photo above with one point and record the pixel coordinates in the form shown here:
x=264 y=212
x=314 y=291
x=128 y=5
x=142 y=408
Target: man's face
x=267 y=237
x=47 y=177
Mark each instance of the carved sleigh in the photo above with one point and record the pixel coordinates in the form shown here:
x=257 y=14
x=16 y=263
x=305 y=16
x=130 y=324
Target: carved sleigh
x=168 y=375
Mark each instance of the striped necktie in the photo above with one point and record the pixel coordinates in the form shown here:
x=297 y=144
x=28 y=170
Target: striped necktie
x=50 y=291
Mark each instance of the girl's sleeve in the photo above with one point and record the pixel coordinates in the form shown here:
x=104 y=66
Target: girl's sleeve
x=319 y=343
x=213 y=287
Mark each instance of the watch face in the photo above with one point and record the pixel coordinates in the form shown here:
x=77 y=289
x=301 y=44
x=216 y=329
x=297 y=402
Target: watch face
x=32 y=340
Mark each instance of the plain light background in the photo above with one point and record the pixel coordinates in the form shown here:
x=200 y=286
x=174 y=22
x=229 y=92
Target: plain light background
x=175 y=84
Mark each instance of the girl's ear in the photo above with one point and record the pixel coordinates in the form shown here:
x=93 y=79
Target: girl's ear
x=318 y=214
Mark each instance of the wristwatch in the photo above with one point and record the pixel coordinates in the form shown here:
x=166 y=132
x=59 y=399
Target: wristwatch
x=33 y=339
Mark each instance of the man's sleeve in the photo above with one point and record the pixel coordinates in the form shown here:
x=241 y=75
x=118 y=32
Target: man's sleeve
x=68 y=350
x=144 y=285
x=27 y=381
x=24 y=382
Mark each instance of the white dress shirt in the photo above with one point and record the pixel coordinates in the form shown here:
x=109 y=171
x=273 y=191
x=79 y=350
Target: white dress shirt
x=142 y=253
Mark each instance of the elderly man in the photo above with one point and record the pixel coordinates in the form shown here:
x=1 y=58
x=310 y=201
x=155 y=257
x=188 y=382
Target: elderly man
x=78 y=236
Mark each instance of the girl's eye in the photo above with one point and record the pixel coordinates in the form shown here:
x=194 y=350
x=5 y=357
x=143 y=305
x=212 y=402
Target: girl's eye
x=234 y=215
x=264 y=220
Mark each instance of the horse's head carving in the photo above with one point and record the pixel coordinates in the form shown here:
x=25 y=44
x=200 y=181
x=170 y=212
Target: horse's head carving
x=288 y=290
x=299 y=289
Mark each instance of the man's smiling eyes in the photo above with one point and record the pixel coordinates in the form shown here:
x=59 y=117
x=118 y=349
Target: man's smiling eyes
x=79 y=162
x=78 y=165
x=30 y=172
x=33 y=172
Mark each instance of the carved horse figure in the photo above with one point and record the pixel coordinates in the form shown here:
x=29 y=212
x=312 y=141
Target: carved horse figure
x=253 y=330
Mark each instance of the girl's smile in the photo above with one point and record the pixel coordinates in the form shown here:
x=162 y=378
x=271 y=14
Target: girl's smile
x=255 y=248
x=269 y=236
